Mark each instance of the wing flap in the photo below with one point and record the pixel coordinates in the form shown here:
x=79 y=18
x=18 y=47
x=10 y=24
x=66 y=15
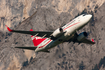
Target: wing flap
x=29 y=48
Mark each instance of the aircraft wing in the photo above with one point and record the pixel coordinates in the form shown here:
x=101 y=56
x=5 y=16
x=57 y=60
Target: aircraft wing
x=85 y=40
x=28 y=48
x=39 y=33
x=88 y=41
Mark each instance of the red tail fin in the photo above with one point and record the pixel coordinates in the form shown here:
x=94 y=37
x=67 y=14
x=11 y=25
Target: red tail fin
x=37 y=40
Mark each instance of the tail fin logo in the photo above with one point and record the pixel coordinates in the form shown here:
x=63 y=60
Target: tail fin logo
x=37 y=40
x=36 y=37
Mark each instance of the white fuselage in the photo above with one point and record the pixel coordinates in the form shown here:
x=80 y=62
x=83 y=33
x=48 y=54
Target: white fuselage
x=69 y=30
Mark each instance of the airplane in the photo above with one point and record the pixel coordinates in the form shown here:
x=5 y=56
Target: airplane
x=45 y=40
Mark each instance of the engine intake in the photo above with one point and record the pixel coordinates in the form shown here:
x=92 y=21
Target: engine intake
x=57 y=32
x=61 y=30
x=82 y=36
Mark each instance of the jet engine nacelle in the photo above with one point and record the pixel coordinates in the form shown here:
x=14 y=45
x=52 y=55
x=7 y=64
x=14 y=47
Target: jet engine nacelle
x=82 y=36
x=57 y=32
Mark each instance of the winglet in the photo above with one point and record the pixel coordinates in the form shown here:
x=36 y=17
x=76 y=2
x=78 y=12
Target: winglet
x=8 y=28
x=31 y=30
x=93 y=41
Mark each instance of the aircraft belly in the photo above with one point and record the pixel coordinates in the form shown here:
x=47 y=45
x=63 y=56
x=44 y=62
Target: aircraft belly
x=58 y=41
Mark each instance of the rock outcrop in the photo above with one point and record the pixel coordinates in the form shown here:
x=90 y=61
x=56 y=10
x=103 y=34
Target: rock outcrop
x=22 y=15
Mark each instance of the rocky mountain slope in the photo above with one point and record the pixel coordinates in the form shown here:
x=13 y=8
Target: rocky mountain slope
x=20 y=15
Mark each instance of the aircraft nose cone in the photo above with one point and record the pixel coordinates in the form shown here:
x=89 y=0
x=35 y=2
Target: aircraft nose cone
x=90 y=16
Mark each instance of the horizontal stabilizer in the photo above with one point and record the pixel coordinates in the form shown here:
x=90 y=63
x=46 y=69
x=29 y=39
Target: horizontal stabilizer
x=29 y=48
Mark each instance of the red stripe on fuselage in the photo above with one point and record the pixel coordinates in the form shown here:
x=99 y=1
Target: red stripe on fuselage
x=45 y=44
x=71 y=25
